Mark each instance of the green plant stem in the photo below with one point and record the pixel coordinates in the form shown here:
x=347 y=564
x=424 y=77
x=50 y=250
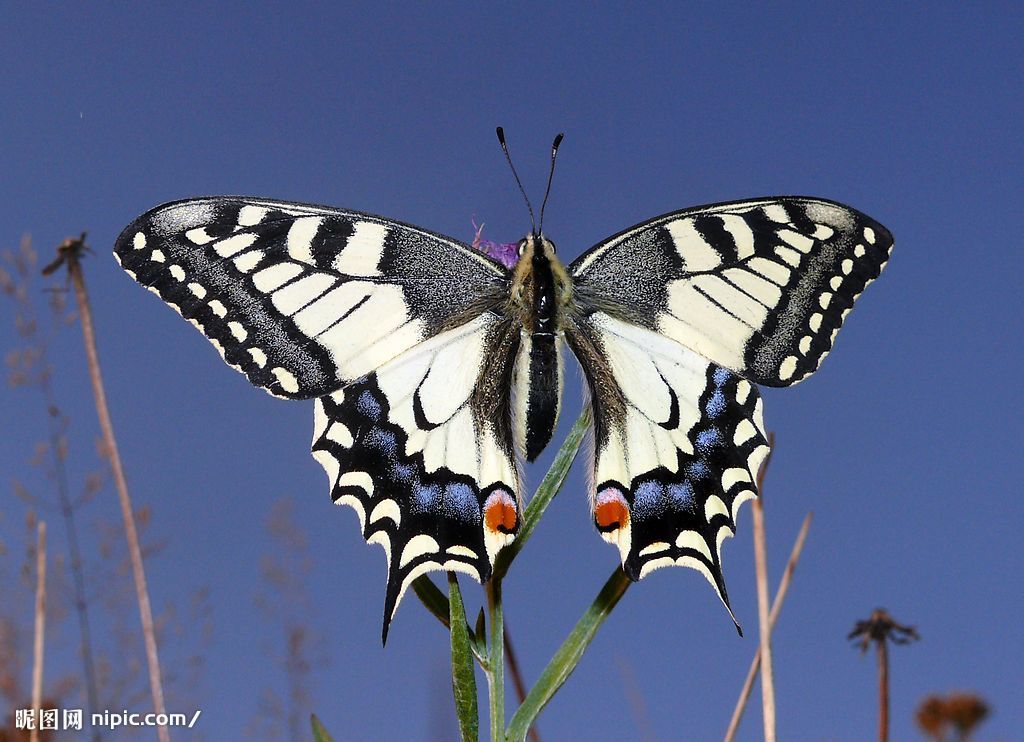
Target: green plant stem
x=496 y=661
x=549 y=487
x=513 y=669
x=432 y=597
x=436 y=602
x=463 y=679
x=493 y=660
x=568 y=656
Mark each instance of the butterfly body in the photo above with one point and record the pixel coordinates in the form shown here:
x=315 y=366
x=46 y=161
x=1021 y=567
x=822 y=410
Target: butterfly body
x=541 y=296
x=433 y=367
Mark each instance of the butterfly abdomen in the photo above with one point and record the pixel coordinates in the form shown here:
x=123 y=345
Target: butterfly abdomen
x=543 y=377
x=540 y=293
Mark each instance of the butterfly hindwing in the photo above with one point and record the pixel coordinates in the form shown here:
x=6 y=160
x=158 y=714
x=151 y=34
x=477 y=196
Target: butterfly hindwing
x=417 y=450
x=301 y=298
x=760 y=287
x=678 y=444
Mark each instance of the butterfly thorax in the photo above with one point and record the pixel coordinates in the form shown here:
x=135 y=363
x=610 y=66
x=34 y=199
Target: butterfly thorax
x=540 y=297
x=541 y=289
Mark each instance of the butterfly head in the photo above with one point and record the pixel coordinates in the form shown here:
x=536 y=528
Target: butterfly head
x=536 y=246
x=541 y=287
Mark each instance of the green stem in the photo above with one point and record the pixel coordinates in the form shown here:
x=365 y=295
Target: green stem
x=320 y=733
x=549 y=487
x=496 y=661
x=567 y=656
x=463 y=680
x=436 y=602
x=493 y=661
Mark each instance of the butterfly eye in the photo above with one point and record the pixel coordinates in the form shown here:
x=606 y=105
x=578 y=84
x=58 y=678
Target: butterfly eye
x=522 y=247
x=549 y=246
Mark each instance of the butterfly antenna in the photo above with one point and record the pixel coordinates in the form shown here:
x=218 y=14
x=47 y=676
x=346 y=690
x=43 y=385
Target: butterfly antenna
x=551 y=174
x=504 y=148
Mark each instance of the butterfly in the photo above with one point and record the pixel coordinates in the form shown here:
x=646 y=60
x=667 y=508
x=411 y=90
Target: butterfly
x=435 y=368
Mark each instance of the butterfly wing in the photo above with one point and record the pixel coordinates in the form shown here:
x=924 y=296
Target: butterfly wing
x=302 y=298
x=678 y=444
x=677 y=317
x=760 y=287
x=422 y=450
x=389 y=325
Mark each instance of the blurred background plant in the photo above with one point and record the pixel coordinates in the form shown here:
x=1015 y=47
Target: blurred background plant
x=881 y=630
x=951 y=717
x=298 y=648
x=88 y=568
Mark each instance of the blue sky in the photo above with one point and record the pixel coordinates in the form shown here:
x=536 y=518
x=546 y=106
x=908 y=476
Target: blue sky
x=905 y=444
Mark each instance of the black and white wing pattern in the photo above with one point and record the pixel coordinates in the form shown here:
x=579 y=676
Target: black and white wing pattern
x=392 y=327
x=760 y=287
x=303 y=298
x=678 y=442
x=677 y=319
x=412 y=343
x=422 y=450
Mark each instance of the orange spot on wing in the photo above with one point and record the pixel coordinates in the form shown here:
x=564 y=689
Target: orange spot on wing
x=612 y=513
x=501 y=515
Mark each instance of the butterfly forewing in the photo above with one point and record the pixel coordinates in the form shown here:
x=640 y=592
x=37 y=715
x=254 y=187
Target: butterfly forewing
x=760 y=287
x=303 y=298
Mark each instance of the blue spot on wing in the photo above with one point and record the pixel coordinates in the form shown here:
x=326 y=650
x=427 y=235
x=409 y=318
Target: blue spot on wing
x=647 y=499
x=460 y=501
x=404 y=473
x=698 y=469
x=425 y=498
x=382 y=440
x=708 y=440
x=716 y=405
x=682 y=495
x=368 y=406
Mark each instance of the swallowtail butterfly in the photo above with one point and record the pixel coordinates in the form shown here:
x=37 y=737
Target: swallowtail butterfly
x=434 y=366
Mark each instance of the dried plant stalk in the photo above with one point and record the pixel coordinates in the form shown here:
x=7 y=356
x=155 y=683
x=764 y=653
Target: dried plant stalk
x=780 y=595
x=517 y=680
x=70 y=252
x=882 y=650
x=41 y=378
x=40 y=630
x=880 y=629
x=764 y=622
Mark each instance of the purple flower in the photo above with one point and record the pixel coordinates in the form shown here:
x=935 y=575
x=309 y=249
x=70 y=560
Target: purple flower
x=506 y=253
